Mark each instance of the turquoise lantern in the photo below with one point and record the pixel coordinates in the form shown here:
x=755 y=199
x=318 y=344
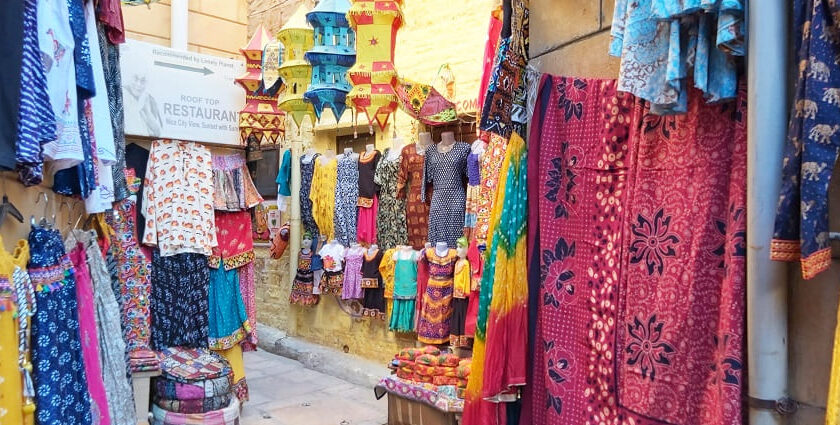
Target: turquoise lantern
x=332 y=55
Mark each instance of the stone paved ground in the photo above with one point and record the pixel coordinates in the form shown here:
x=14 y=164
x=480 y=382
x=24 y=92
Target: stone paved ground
x=283 y=392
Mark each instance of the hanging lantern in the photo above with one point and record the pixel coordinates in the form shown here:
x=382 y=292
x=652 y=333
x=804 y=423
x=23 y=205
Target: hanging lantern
x=296 y=37
x=333 y=54
x=374 y=76
x=425 y=104
x=260 y=117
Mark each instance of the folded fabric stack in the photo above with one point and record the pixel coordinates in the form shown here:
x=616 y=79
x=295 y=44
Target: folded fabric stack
x=429 y=366
x=142 y=360
x=195 y=387
x=405 y=361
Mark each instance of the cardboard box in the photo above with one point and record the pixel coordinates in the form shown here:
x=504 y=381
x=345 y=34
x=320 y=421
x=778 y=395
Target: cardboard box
x=402 y=411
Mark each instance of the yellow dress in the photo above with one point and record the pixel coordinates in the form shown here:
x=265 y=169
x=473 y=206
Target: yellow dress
x=13 y=409
x=323 y=196
x=463 y=279
x=237 y=363
x=386 y=269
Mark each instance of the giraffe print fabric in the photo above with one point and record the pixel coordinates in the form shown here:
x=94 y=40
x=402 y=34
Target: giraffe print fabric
x=801 y=230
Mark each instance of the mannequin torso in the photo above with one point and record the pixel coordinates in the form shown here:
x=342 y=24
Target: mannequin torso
x=447 y=142
x=424 y=140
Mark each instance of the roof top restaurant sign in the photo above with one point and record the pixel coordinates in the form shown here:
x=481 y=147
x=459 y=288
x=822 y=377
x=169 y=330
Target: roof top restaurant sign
x=175 y=94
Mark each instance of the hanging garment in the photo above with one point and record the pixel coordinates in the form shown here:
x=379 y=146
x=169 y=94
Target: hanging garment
x=12 y=357
x=390 y=213
x=303 y=284
x=801 y=228
x=137 y=158
x=118 y=389
x=235 y=242
x=237 y=364
x=460 y=302
x=227 y=319
x=11 y=30
x=233 y=189
x=249 y=294
x=491 y=165
x=87 y=333
x=346 y=199
x=35 y=119
x=476 y=259
x=132 y=284
x=323 y=196
x=284 y=180
x=677 y=212
x=446 y=173
x=307 y=171
x=113 y=85
x=405 y=292
x=499 y=349
x=332 y=256
x=368 y=197
x=110 y=15
x=374 y=302
x=386 y=269
x=494 y=30
x=317 y=267
x=422 y=283
x=179 y=221
x=352 y=286
x=410 y=184
x=179 y=300
x=662 y=43
x=473 y=190
x=57 y=354
x=436 y=313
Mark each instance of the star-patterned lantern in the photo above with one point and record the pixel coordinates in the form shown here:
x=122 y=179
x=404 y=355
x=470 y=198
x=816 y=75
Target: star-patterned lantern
x=296 y=37
x=374 y=76
x=260 y=117
x=333 y=54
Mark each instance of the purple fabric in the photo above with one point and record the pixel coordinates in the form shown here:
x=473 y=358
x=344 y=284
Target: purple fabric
x=352 y=288
x=473 y=172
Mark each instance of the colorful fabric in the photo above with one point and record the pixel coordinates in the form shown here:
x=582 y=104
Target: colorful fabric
x=427 y=394
x=501 y=335
x=179 y=300
x=473 y=190
x=346 y=199
x=233 y=189
x=228 y=320
x=179 y=221
x=192 y=365
x=424 y=103
x=247 y=286
x=303 y=285
x=367 y=186
x=236 y=243
x=402 y=315
x=674 y=187
x=410 y=183
x=366 y=225
x=133 y=271
x=352 y=286
x=491 y=165
x=307 y=172
x=110 y=53
x=234 y=357
x=331 y=283
x=322 y=195
x=57 y=354
x=193 y=406
x=390 y=214
x=227 y=416
x=446 y=173
x=662 y=43
x=435 y=315
x=801 y=229
x=494 y=30
x=374 y=301
x=17 y=300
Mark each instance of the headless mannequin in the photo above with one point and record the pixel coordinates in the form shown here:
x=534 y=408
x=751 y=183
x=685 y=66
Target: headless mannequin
x=441 y=249
x=349 y=151
x=327 y=156
x=396 y=149
x=308 y=155
x=369 y=148
x=404 y=253
x=447 y=141
x=423 y=141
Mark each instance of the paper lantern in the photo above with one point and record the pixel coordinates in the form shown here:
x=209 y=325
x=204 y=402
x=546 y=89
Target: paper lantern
x=296 y=73
x=374 y=76
x=333 y=54
x=260 y=117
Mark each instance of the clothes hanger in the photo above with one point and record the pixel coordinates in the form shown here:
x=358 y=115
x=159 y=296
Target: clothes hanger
x=7 y=207
x=43 y=223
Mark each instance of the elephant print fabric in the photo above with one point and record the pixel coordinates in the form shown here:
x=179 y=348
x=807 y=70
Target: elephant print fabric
x=801 y=230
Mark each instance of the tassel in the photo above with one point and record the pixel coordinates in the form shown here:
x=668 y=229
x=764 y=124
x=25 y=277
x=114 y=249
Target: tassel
x=28 y=387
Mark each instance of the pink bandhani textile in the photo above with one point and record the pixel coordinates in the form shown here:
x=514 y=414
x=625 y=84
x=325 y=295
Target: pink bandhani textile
x=247 y=287
x=642 y=260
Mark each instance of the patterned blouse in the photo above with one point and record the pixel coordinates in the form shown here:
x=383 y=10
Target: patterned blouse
x=179 y=221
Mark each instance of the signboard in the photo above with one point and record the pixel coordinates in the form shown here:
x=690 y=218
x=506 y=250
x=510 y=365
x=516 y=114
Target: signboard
x=175 y=94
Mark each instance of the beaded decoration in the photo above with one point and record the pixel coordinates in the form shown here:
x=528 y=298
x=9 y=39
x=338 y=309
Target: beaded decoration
x=52 y=278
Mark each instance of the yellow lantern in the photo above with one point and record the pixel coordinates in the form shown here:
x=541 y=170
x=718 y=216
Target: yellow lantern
x=296 y=37
x=260 y=117
x=374 y=76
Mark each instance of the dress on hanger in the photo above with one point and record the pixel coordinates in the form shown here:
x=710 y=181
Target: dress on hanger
x=447 y=173
x=409 y=187
x=436 y=314
x=374 y=302
x=386 y=270
x=390 y=215
x=307 y=171
x=352 y=288
x=227 y=319
x=180 y=310
x=332 y=256
x=405 y=292
x=491 y=164
x=346 y=199
x=368 y=197
x=473 y=190
x=322 y=196
x=233 y=189
x=303 y=284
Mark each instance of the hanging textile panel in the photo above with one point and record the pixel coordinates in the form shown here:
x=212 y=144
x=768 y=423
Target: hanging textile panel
x=642 y=249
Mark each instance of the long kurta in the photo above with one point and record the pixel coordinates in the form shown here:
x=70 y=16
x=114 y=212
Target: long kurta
x=409 y=187
x=446 y=172
x=322 y=196
x=390 y=217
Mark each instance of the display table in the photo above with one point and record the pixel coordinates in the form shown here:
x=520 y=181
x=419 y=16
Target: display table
x=410 y=403
x=142 y=384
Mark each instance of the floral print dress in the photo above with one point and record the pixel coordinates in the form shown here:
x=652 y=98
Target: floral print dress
x=390 y=218
x=409 y=186
x=346 y=199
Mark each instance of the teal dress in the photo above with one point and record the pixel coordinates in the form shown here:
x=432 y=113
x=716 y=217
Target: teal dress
x=284 y=177
x=228 y=317
x=405 y=293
